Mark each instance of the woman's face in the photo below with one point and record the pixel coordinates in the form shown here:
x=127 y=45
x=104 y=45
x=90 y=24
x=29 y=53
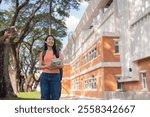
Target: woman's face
x=50 y=41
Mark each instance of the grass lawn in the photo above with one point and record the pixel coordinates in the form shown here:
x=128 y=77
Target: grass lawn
x=29 y=95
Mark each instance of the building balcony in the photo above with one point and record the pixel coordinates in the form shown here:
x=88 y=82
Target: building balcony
x=140 y=16
x=98 y=21
x=127 y=79
x=103 y=15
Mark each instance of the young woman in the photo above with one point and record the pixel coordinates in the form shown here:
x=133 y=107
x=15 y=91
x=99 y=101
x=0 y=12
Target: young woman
x=50 y=82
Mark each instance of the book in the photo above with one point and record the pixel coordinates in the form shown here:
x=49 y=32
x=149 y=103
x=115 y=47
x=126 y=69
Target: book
x=56 y=60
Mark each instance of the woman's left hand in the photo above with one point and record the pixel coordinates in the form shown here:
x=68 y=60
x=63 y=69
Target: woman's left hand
x=54 y=66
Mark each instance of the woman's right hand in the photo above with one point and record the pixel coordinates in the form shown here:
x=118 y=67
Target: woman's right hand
x=52 y=66
x=43 y=67
x=49 y=66
x=38 y=68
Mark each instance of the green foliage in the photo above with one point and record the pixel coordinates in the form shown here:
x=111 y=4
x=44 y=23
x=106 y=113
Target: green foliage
x=33 y=25
x=5 y=18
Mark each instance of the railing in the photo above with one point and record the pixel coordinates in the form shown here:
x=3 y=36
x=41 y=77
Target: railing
x=108 y=12
x=140 y=16
x=103 y=17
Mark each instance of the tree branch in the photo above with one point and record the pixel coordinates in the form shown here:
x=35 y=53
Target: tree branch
x=18 y=8
x=17 y=3
x=27 y=24
x=0 y=1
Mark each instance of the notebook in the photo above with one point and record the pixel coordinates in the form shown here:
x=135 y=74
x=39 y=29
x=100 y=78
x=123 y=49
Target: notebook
x=56 y=60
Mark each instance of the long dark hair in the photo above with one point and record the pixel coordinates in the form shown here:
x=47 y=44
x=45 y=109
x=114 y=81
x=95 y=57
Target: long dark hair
x=54 y=46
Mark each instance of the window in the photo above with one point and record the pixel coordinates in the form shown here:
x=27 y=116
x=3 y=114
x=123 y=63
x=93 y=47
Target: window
x=90 y=83
x=75 y=85
x=85 y=59
x=86 y=84
x=93 y=83
x=92 y=54
x=108 y=5
x=119 y=84
x=116 y=43
x=72 y=85
x=144 y=82
x=147 y=3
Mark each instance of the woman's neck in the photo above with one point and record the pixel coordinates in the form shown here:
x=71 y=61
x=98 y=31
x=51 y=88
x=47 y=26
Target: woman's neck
x=49 y=48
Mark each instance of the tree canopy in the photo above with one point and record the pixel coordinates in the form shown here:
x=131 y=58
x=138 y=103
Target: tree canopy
x=31 y=18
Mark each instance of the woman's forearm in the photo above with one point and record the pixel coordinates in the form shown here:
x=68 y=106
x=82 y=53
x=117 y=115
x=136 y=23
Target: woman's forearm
x=43 y=66
x=56 y=66
x=59 y=66
x=51 y=66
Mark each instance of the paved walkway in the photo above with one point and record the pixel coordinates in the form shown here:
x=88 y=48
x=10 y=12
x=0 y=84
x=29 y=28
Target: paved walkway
x=75 y=98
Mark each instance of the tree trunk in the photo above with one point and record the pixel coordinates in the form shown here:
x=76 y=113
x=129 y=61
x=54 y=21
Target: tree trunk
x=9 y=92
x=14 y=68
x=5 y=84
x=21 y=83
x=2 y=78
x=12 y=73
x=35 y=85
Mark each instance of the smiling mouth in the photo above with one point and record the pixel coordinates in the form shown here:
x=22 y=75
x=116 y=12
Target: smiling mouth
x=50 y=43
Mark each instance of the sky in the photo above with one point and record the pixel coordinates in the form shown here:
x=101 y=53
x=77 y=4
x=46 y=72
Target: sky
x=73 y=21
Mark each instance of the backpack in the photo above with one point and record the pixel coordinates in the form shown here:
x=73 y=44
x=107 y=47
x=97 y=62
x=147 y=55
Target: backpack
x=57 y=56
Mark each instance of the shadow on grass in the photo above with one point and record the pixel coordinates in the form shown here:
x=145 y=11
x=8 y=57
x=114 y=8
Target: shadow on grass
x=26 y=99
x=21 y=98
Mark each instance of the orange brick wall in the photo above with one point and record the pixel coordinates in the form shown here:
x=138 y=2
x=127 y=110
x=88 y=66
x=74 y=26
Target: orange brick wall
x=105 y=53
x=145 y=65
x=109 y=49
x=66 y=70
x=99 y=78
x=66 y=87
x=110 y=81
x=105 y=77
x=65 y=80
x=132 y=86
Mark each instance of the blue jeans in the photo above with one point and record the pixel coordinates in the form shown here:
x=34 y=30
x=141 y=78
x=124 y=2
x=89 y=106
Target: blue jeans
x=50 y=84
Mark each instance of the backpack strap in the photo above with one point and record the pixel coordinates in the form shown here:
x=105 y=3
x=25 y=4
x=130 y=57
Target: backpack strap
x=43 y=54
x=60 y=69
x=57 y=53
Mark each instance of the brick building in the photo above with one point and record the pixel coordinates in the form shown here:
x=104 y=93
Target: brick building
x=109 y=51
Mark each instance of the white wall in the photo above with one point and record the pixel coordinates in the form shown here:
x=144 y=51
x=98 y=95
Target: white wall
x=140 y=38
x=123 y=13
x=135 y=36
